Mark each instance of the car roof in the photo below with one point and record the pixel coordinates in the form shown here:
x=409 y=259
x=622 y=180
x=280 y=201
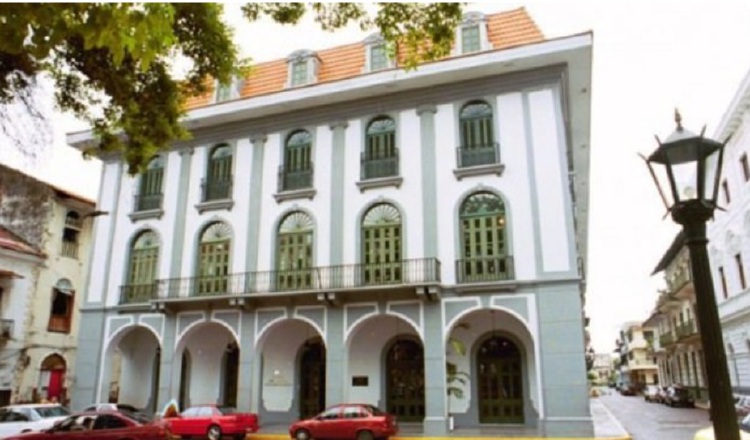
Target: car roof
x=32 y=405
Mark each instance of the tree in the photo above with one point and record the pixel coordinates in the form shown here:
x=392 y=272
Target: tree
x=111 y=63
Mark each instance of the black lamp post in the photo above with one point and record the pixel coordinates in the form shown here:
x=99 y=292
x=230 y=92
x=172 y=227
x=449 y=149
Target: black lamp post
x=692 y=169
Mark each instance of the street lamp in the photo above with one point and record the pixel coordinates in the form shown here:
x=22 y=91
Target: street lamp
x=692 y=169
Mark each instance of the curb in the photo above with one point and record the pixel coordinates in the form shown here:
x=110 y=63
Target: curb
x=286 y=437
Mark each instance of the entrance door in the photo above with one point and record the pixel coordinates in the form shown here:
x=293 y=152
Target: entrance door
x=405 y=381
x=499 y=382
x=231 y=373
x=312 y=379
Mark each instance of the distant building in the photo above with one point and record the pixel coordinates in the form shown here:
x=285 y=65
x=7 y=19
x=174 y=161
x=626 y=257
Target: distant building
x=729 y=238
x=603 y=367
x=678 y=348
x=45 y=237
x=637 y=366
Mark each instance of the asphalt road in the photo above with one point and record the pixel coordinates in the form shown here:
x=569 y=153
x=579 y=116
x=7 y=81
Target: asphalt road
x=654 y=421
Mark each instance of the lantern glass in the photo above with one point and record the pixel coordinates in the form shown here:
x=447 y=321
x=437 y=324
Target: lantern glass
x=713 y=175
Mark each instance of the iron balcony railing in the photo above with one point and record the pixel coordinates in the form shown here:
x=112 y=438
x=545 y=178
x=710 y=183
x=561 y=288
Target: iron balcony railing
x=74 y=222
x=405 y=272
x=216 y=189
x=69 y=249
x=483 y=269
x=377 y=167
x=291 y=179
x=147 y=202
x=474 y=155
x=137 y=293
x=681 y=278
x=666 y=339
x=686 y=329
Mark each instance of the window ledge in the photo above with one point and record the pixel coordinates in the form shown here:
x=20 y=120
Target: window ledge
x=142 y=215
x=479 y=170
x=380 y=182
x=214 y=205
x=306 y=193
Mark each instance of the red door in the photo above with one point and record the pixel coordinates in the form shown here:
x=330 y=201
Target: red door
x=54 y=388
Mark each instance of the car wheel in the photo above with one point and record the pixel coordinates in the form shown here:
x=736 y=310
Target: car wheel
x=214 y=432
x=302 y=434
x=365 y=435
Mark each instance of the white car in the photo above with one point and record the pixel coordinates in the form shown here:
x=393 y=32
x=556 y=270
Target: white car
x=15 y=419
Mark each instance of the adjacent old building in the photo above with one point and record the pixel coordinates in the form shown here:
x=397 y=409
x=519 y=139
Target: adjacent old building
x=636 y=364
x=45 y=237
x=336 y=220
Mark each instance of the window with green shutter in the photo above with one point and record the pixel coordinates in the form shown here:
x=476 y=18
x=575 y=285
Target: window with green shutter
x=150 y=194
x=297 y=168
x=299 y=73
x=378 y=57
x=484 y=253
x=478 y=145
x=213 y=260
x=218 y=183
x=381 y=245
x=142 y=271
x=294 y=252
x=380 y=158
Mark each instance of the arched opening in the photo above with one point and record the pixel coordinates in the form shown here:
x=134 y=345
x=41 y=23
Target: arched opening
x=405 y=380
x=312 y=378
x=52 y=379
x=499 y=381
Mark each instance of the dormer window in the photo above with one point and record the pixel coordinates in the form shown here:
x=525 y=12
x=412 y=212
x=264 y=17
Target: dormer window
x=376 y=54
x=472 y=34
x=303 y=68
x=225 y=92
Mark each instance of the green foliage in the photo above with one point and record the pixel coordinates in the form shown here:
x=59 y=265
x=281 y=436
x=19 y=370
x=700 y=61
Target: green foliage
x=111 y=63
x=455 y=378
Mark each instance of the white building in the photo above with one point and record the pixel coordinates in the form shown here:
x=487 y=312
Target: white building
x=336 y=220
x=729 y=239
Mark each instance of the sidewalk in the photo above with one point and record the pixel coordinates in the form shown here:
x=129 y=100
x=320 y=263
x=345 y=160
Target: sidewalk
x=606 y=426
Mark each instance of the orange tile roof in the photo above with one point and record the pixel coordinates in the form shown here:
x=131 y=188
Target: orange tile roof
x=504 y=30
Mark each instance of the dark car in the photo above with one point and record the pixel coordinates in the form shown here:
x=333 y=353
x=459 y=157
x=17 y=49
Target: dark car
x=212 y=421
x=627 y=390
x=98 y=426
x=678 y=396
x=128 y=410
x=346 y=421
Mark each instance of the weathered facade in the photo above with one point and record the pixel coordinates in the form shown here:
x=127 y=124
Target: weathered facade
x=45 y=239
x=335 y=221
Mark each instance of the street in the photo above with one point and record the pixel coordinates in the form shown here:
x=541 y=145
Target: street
x=647 y=421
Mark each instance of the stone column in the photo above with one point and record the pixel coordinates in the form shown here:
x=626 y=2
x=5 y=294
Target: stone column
x=335 y=380
x=247 y=391
x=338 y=155
x=255 y=194
x=435 y=393
x=429 y=180
x=178 y=231
x=169 y=373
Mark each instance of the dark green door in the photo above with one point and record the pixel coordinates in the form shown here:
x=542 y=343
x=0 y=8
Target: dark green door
x=312 y=379
x=499 y=382
x=231 y=374
x=405 y=381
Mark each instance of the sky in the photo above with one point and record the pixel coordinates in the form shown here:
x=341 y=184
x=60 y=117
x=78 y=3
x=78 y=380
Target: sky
x=650 y=57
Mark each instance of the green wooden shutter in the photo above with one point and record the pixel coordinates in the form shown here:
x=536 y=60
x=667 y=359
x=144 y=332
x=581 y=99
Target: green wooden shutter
x=294 y=252
x=483 y=239
x=381 y=232
x=213 y=260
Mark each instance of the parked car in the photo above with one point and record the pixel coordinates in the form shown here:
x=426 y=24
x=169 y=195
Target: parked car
x=213 y=421
x=346 y=421
x=742 y=405
x=627 y=390
x=651 y=393
x=128 y=410
x=15 y=419
x=708 y=432
x=98 y=426
x=678 y=396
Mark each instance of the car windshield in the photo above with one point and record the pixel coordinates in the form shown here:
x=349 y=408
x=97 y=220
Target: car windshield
x=226 y=410
x=52 y=411
x=374 y=410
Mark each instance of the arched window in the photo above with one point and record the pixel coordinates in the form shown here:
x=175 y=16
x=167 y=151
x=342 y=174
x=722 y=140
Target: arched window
x=73 y=224
x=150 y=194
x=381 y=245
x=294 y=244
x=142 y=270
x=478 y=145
x=218 y=183
x=213 y=260
x=484 y=251
x=380 y=158
x=296 y=172
x=61 y=308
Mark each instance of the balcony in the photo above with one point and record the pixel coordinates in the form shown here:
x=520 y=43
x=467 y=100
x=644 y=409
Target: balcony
x=215 y=194
x=147 y=206
x=312 y=280
x=379 y=172
x=74 y=222
x=484 y=269
x=69 y=249
x=478 y=160
x=6 y=328
x=137 y=293
x=687 y=329
x=295 y=184
x=666 y=339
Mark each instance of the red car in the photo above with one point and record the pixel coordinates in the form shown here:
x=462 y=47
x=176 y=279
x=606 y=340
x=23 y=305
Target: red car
x=98 y=426
x=346 y=421
x=212 y=421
